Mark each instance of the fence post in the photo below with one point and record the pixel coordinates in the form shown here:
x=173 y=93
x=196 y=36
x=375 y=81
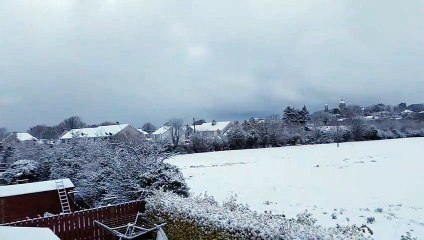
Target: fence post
x=113 y=211
x=2 y=220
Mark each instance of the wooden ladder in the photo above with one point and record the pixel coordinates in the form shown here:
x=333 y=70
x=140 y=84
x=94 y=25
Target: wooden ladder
x=63 y=196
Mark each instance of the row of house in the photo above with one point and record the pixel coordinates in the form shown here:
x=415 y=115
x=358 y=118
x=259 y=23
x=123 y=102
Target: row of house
x=105 y=132
x=207 y=129
x=164 y=133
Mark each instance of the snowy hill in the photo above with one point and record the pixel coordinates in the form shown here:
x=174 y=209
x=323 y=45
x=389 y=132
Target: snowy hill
x=348 y=185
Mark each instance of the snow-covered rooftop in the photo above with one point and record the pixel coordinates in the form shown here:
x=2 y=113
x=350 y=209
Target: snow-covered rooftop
x=101 y=131
x=142 y=131
x=208 y=127
x=33 y=233
x=161 y=130
x=27 y=188
x=23 y=136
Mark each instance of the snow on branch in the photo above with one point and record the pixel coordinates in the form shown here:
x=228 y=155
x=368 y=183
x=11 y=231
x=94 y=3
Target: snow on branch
x=201 y=216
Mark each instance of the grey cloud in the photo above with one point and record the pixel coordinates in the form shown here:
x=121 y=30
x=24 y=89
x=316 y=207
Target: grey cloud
x=138 y=61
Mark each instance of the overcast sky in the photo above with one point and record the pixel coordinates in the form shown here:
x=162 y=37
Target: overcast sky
x=139 y=61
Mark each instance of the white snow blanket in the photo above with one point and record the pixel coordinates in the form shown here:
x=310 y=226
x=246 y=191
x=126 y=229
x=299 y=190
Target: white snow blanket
x=351 y=184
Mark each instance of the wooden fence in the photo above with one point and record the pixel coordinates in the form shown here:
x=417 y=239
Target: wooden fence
x=80 y=225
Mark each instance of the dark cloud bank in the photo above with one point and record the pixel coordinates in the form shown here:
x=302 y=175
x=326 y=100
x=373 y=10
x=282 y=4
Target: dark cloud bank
x=138 y=61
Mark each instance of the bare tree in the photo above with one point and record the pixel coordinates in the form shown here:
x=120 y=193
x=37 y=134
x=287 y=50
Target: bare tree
x=176 y=125
x=358 y=129
x=149 y=127
x=107 y=123
x=200 y=122
x=42 y=132
x=321 y=118
x=353 y=111
x=72 y=123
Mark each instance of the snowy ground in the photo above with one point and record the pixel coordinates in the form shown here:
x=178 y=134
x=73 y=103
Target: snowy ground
x=380 y=179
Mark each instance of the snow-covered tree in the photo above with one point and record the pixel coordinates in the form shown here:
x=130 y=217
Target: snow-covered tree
x=177 y=132
x=290 y=115
x=358 y=129
x=122 y=170
x=236 y=137
x=321 y=118
x=42 y=132
x=304 y=115
x=295 y=117
x=252 y=138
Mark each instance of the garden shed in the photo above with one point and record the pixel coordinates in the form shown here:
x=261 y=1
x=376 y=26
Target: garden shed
x=30 y=200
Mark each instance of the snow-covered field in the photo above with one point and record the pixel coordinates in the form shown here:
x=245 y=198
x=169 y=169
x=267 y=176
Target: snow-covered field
x=360 y=180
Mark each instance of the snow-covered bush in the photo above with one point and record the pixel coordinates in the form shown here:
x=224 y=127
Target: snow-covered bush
x=168 y=177
x=252 y=138
x=324 y=137
x=358 y=129
x=201 y=144
x=408 y=236
x=42 y=153
x=101 y=169
x=236 y=137
x=22 y=169
x=123 y=170
x=201 y=217
x=370 y=220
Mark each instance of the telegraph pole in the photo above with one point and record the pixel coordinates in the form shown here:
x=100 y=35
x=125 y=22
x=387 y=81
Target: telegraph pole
x=337 y=130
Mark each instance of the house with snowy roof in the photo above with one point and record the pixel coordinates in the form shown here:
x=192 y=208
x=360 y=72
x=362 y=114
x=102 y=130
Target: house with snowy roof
x=163 y=134
x=214 y=128
x=17 y=137
x=29 y=200
x=103 y=132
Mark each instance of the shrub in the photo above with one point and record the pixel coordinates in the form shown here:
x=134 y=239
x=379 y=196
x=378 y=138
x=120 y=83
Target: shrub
x=370 y=220
x=408 y=236
x=200 y=144
x=236 y=137
x=201 y=217
x=22 y=169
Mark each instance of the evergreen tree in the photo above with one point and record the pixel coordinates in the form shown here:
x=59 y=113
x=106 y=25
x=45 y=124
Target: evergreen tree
x=296 y=116
x=304 y=115
x=290 y=115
